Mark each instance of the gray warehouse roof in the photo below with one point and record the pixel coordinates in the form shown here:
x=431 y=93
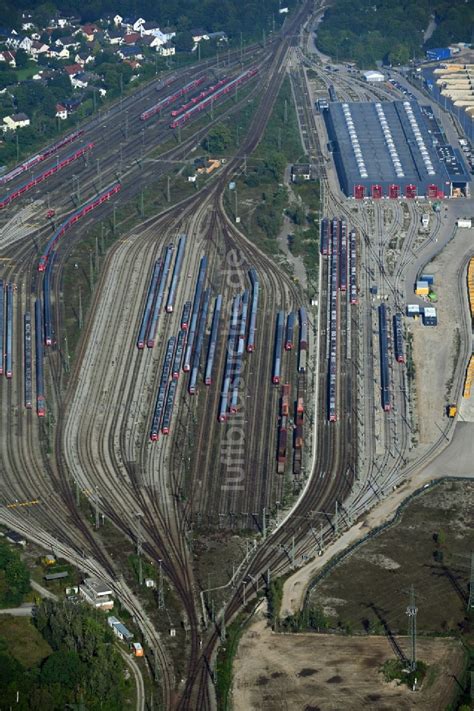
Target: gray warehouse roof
x=384 y=143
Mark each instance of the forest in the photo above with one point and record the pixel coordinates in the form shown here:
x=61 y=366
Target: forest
x=392 y=32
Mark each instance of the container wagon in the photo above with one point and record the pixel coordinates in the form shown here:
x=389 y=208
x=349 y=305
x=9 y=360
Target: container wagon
x=160 y=291
x=282 y=448
x=253 y=310
x=176 y=274
x=280 y=325
x=324 y=237
x=168 y=414
x=73 y=218
x=290 y=328
x=211 y=351
x=398 y=338
x=178 y=356
x=185 y=315
x=148 y=304
x=195 y=313
x=343 y=257
x=353 y=267
x=199 y=341
x=9 y=333
x=2 y=324
x=27 y=361
x=384 y=368
x=40 y=398
x=285 y=400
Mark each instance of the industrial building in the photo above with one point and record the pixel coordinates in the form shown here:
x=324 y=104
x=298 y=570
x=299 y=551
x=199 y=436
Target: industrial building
x=385 y=150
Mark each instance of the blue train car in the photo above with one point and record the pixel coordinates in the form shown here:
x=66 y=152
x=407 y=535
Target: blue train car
x=253 y=310
x=398 y=338
x=40 y=395
x=386 y=395
x=9 y=333
x=211 y=351
x=280 y=325
x=27 y=361
x=148 y=304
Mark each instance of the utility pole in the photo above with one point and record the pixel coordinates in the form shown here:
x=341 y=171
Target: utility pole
x=96 y=502
x=142 y=205
x=412 y=612
x=236 y=204
x=292 y=551
x=139 y=547
x=279 y=138
x=168 y=191
x=102 y=243
x=241 y=49
x=114 y=218
x=80 y=308
x=470 y=603
x=66 y=355
x=285 y=115
x=161 y=590
x=91 y=271
x=264 y=523
x=99 y=173
x=336 y=519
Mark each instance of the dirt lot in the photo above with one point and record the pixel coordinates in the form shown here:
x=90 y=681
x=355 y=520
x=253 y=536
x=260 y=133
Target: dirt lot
x=329 y=673
x=372 y=585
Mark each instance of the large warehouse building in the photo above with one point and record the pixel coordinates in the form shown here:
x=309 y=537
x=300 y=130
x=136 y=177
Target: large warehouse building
x=385 y=150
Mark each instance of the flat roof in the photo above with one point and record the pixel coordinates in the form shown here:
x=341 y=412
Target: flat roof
x=385 y=142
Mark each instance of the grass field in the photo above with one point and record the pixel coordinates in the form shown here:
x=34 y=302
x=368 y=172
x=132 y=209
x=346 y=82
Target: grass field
x=23 y=640
x=429 y=548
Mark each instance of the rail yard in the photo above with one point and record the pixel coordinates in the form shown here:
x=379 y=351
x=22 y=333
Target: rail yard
x=209 y=394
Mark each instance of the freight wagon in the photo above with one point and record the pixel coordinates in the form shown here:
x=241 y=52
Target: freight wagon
x=253 y=310
x=280 y=325
x=384 y=367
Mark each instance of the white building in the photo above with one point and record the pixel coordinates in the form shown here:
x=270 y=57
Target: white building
x=11 y=123
x=119 y=629
x=373 y=76
x=96 y=594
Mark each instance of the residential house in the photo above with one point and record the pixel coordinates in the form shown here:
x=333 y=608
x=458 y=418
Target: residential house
x=132 y=24
x=72 y=70
x=16 y=121
x=84 y=57
x=58 y=53
x=69 y=42
x=199 y=35
x=150 y=41
x=89 y=30
x=8 y=57
x=61 y=112
x=150 y=28
x=138 y=24
x=72 y=104
x=301 y=171
x=28 y=25
x=131 y=37
x=38 y=48
x=79 y=80
x=129 y=52
x=15 y=537
x=118 y=19
x=115 y=37
x=166 y=50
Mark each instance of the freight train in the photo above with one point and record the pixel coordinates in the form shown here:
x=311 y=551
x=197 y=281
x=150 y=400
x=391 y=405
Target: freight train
x=153 y=110
x=76 y=215
x=398 y=338
x=2 y=324
x=353 y=268
x=31 y=162
x=176 y=274
x=160 y=290
x=40 y=398
x=148 y=305
x=199 y=341
x=215 y=96
x=211 y=350
x=333 y=321
x=303 y=341
x=195 y=313
x=253 y=310
x=27 y=361
x=280 y=325
x=386 y=395
x=324 y=237
x=36 y=180
x=9 y=333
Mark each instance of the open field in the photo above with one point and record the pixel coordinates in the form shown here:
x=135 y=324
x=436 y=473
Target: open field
x=328 y=672
x=23 y=640
x=372 y=584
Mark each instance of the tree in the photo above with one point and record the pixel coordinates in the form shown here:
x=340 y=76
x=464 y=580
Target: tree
x=64 y=668
x=218 y=139
x=183 y=41
x=21 y=58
